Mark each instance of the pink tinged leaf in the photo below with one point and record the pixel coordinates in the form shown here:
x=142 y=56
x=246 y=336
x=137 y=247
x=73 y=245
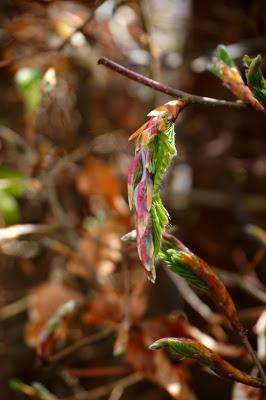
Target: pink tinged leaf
x=133 y=172
x=136 y=134
x=144 y=228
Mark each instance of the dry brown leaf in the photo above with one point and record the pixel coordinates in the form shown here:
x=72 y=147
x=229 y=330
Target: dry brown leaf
x=44 y=300
x=109 y=306
x=98 y=182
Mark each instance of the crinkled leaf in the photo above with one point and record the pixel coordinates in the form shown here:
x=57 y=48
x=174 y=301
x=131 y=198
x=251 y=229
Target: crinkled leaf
x=174 y=260
x=198 y=273
x=224 y=68
x=155 y=149
x=194 y=350
x=255 y=78
x=49 y=335
x=224 y=55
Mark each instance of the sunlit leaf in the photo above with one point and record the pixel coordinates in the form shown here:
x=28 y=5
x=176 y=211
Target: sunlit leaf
x=49 y=335
x=224 y=68
x=9 y=209
x=255 y=78
x=155 y=149
x=12 y=182
x=35 y=390
x=28 y=81
x=193 y=350
x=200 y=274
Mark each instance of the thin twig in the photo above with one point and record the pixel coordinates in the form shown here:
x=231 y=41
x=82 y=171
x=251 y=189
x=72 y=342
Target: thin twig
x=243 y=282
x=59 y=212
x=106 y=389
x=253 y=354
x=161 y=87
x=82 y=26
x=154 y=62
x=12 y=309
x=260 y=330
x=96 y=372
x=76 y=346
x=191 y=298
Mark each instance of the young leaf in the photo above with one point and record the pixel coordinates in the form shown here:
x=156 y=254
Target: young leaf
x=155 y=149
x=224 y=68
x=36 y=390
x=198 y=273
x=193 y=350
x=49 y=335
x=28 y=81
x=255 y=78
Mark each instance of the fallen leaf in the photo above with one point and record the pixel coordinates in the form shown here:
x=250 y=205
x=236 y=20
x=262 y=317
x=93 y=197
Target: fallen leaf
x=98 y=182
x=44 y=301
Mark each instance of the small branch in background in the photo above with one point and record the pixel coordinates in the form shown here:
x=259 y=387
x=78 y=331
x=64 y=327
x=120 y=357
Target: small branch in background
x=245 y=283
x=253 y=354
x=83 y=342
x=60 y=214
x=14 y=139
x=12 y=309
x=191 y=98
x=122 y=384
x=191 y=298
x=257 y=259
x=96 y=372
x=260 y=330
x=82 y=26
x=154 y=62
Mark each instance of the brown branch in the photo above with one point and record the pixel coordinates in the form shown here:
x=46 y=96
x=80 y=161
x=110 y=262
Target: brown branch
x=102 y=334
x=82 y=26
x=161 y=87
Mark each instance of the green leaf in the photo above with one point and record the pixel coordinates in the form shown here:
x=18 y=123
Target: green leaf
x=9 y=209
x=223 y=55
x=212 y=68
x=172 y=258
x=193 y=350
x=12 y=182
x=184 y=348
x=28 y=81
x=163 y=153
x=255 y=78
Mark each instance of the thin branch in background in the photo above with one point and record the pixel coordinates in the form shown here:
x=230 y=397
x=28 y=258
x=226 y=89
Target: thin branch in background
x=257 y=259
x=12 y=309
x=245 y=283
x=154 y=61
x=82 y=26
x=102 y=334
x=96 y=372
x=13 y=138
x=191 y=98
x=254 y=355
x=260 y=330
x=191 y=298
x=60 y=214
x=122 y=383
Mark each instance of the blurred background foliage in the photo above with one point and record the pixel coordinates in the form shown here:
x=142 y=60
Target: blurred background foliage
x=64 y=153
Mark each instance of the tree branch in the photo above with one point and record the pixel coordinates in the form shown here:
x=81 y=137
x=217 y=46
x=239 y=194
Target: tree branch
x=160 y=87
